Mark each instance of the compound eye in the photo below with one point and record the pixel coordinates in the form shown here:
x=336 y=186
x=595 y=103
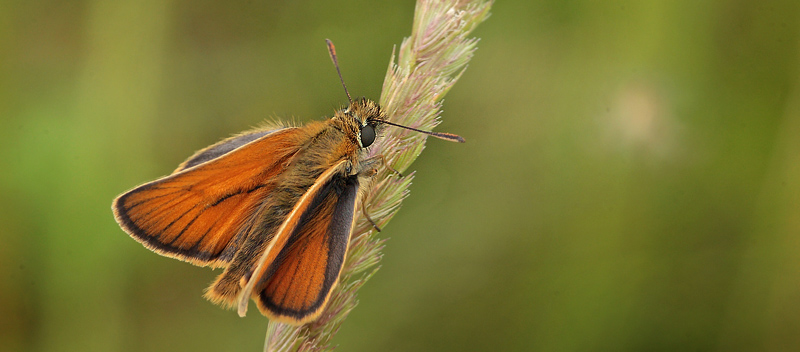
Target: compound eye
x=367 y=135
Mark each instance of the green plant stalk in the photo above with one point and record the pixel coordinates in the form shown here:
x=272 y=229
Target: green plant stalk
x=427 y=65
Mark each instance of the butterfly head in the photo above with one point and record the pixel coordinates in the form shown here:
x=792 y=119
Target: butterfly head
x=360 y=119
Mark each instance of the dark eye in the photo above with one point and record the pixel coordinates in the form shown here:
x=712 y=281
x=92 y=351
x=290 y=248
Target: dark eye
x=367 y=135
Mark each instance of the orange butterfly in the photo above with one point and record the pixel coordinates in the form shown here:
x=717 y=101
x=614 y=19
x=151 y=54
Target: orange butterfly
x=273 y=206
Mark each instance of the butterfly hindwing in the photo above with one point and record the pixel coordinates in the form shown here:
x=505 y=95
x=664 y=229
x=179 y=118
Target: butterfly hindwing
x=222 y=148
x=194 y=213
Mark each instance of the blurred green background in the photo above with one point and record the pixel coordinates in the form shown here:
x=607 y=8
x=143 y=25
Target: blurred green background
x=631 y=179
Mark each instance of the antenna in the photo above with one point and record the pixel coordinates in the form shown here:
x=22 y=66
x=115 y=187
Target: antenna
x=441 y=135
x=332 y=51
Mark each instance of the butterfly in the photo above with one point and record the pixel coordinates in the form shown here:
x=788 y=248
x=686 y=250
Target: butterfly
x=273 y=206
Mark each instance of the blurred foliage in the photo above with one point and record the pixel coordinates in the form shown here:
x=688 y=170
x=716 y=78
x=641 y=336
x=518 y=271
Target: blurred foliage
x=631 y=179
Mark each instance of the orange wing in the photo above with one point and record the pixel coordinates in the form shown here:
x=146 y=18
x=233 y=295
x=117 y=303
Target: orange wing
x=193 y=214
x=295 y=275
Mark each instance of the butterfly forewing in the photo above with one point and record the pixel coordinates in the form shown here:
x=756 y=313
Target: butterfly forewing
x=194 y=213
x=307 y=268
x=295 y=273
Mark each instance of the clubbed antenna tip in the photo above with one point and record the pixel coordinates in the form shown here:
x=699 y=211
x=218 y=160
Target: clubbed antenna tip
x=332 y=52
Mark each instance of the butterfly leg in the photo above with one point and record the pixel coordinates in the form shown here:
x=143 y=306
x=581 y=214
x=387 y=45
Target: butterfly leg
x=369 y=168
x=371 y=172
x=386 y=163
x=364 y=211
